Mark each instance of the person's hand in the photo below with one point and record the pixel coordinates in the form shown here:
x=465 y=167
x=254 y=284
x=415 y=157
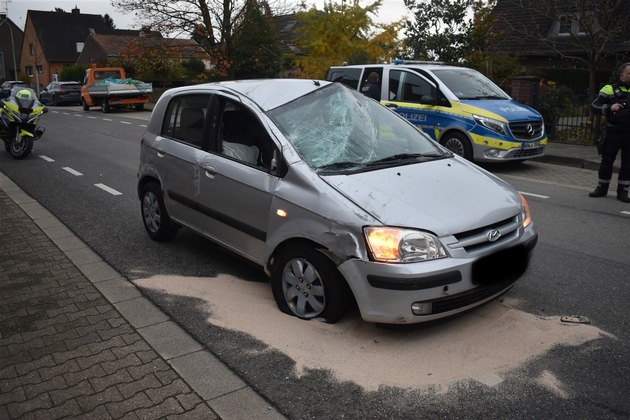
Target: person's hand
x=616 y=107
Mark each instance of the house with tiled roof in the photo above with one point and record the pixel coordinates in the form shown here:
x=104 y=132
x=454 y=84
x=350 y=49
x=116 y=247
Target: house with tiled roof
x=53 y=40
x=563 y=34
x=10 y=42
x=99 y=49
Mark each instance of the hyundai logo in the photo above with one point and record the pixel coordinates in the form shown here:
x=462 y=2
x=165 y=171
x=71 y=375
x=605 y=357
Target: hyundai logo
x=493 y=235
x=530 y=129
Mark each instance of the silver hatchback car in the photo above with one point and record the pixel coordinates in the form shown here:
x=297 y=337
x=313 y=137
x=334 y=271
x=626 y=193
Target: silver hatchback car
x=336 y=197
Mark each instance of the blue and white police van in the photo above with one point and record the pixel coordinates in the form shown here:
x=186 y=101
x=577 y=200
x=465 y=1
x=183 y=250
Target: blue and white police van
x=458 y=107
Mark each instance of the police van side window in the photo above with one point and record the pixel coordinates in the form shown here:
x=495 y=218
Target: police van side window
x=348 y=76
x=414 y=88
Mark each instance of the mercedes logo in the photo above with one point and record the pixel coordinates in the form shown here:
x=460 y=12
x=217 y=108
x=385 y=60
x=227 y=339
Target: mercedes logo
x=493 y=235
x=530 y=129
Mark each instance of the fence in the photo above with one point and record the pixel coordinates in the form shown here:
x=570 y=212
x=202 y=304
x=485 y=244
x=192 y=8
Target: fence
x=567 y=112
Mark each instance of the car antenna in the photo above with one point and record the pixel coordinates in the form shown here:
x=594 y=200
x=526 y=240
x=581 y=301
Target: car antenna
x=316 y=82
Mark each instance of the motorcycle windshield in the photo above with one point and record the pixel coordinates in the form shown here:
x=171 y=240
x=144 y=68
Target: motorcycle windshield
x=23 y=97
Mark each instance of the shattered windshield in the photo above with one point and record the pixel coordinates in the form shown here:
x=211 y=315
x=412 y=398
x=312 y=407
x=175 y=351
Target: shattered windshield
x=336 y=129
x=469 y=84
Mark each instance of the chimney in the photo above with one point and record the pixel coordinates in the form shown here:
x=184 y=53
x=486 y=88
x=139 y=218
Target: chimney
x=76 y=12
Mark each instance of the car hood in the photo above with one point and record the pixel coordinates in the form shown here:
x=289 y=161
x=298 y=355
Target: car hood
x=506 y=110
x=444 y=196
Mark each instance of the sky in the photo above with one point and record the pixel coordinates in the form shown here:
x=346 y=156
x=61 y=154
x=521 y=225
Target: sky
x=390 y=10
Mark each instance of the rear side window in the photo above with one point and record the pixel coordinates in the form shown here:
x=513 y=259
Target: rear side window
x=185 y=119
x=349 y=76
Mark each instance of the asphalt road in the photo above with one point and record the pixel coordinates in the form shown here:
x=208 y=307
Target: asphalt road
x=513 y=358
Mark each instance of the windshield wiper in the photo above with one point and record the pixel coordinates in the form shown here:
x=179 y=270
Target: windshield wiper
x=341 y=165
x=482 y=97
x=401 y=157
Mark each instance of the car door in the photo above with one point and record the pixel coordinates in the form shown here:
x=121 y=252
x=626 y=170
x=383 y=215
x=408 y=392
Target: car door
x=419 y=101
x=178 y=151
x=236 y=184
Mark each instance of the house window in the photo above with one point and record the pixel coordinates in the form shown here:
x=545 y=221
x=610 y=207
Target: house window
x=40 y=69
x=29 y=70
x=31 y=49
x=567 y=25
x=80 y=46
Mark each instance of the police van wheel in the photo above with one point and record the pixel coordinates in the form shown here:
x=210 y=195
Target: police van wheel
x=458 y=144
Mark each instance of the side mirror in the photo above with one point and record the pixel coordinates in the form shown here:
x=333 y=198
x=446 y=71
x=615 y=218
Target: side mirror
x=278 y=165
x=45 y=110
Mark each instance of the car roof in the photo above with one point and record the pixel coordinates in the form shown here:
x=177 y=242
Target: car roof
x=424 y=66
x=267 y=93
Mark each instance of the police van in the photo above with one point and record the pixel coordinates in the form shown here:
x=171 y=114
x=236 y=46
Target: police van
x=458 y=107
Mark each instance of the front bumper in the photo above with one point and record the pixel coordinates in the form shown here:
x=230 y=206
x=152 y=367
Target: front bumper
x=392 y=293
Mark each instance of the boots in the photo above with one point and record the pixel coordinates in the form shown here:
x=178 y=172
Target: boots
x=601 y=190
x=622 y=193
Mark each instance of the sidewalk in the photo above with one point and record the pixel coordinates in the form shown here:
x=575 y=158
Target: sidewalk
x=78 y=340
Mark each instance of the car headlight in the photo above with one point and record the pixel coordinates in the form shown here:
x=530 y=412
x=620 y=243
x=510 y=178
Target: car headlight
x=492 y=124
x=526 y=216
x=397 y=245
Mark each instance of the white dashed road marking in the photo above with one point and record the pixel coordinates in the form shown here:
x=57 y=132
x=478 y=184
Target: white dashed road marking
x=46 y=158
x=534 y=195
x=108 y=189
x=72 y=171
x=626 y=212
x=107 y=119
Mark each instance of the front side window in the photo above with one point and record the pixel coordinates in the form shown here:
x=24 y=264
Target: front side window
x=243 y=137
x=336 y=129
x=413 y=87
x=185 y=119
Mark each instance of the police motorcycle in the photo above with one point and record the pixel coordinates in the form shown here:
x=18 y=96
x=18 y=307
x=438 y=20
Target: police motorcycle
x=19 y=114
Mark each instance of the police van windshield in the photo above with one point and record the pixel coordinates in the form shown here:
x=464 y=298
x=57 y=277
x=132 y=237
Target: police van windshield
x=469 y=84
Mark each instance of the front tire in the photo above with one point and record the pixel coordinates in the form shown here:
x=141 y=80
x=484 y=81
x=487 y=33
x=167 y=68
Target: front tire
x=20 y=148
x=54 y=101
x=307 y=285
x=458 y=144
x=156 y=220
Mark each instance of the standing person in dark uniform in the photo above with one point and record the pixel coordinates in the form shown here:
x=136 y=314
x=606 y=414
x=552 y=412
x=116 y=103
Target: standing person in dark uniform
x=613 y=101
x=372 y=88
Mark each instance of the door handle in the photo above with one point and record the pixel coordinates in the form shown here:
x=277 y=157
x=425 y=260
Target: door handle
x=391 y=105
x=160 y=151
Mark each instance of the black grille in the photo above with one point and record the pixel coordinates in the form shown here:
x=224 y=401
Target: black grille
x=466 y=299
x=528 y=130
x=527 y=152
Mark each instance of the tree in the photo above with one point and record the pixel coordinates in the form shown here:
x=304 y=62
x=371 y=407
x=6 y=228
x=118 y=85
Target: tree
x=256 y=53
x=109 y=22
x=483 y=40
x=343 y=33
x=213 y=24
x=439 y=30
x=584 y=31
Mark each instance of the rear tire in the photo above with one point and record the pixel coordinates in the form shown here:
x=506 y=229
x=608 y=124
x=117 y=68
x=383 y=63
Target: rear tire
x=105 y=106
x=140 y=107
x=85 y=105
x=306 y=284
x=156 y=220
x=54 y=101
x=458 y=144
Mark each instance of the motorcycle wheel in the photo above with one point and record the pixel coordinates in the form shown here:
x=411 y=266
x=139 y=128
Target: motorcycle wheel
x=19 y=150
